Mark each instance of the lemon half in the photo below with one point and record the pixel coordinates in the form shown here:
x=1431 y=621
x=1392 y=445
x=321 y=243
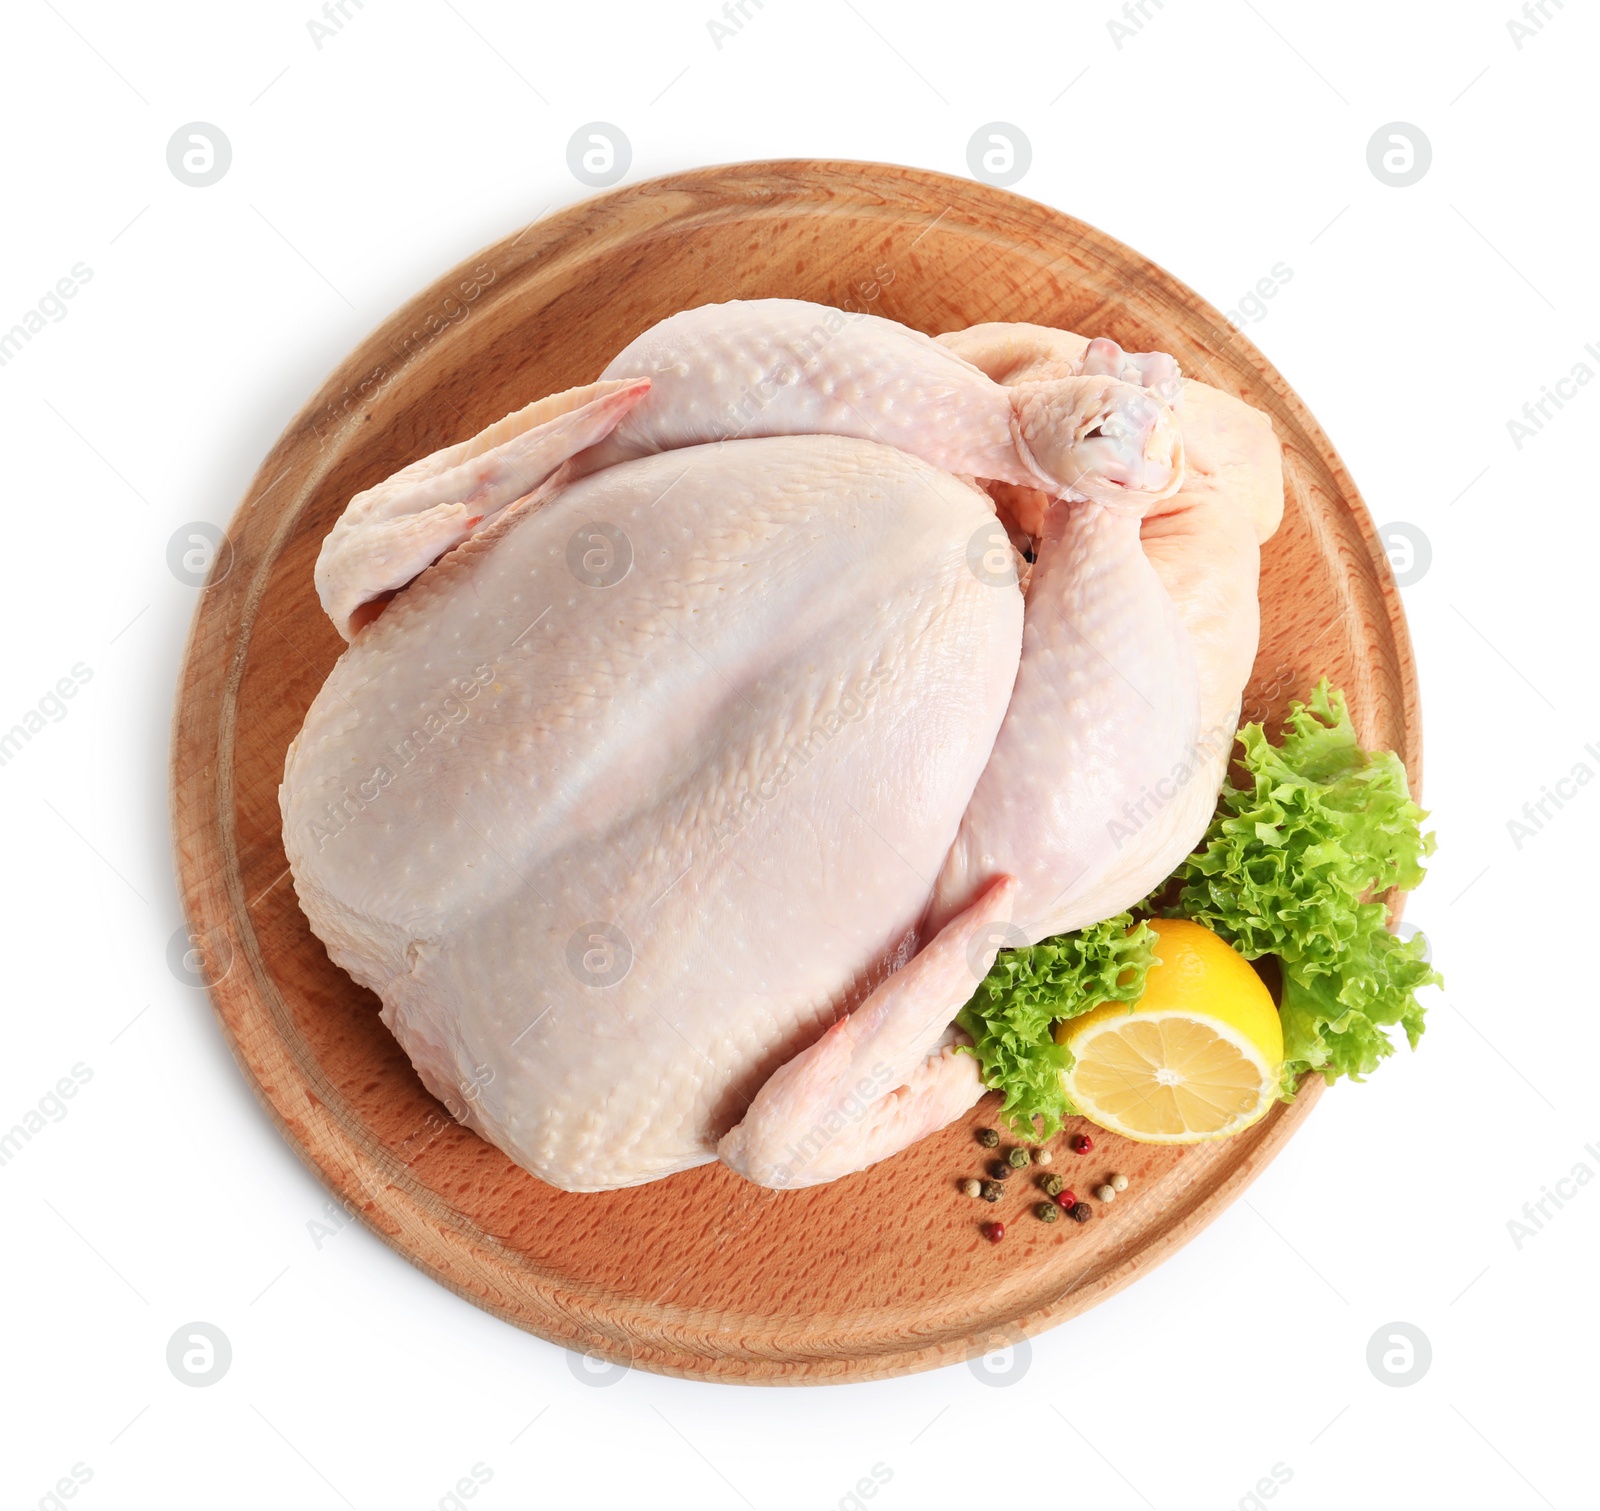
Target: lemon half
x=1195 y=1058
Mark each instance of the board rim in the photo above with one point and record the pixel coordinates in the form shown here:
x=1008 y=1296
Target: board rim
x=380 y=1189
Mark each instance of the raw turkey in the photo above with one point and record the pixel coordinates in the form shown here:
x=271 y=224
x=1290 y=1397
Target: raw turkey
x=704 y=731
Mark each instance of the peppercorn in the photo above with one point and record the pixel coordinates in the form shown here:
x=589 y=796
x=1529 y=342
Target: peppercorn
x=1052 y=1185
x=1106 y=1192
x=1043 y=1157
x=971 y=1187
x=1000 y=1169
x=1119 y=1182
x=988 y=1138
x=1082 y=1143
x=991 y=1190
x=1066 y=1200
x=1080 y=1211
x=1047 y=1211
x=994 y=1231
x=1020 y=1158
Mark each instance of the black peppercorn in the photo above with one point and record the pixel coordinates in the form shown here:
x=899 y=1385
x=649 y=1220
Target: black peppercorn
x=1081 y=1211
x=999 y=1169
x=991 y=1190
x=988 y=1138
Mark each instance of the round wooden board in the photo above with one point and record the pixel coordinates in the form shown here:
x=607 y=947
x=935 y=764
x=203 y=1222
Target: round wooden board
x=702 y=1274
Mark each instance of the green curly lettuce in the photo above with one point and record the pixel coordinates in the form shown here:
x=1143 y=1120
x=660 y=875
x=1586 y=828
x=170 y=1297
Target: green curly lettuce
x=1028 y=991
x=1295 y=864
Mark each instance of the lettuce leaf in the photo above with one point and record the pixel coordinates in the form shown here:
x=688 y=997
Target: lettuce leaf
x=1028 y=991
x=1295 y=864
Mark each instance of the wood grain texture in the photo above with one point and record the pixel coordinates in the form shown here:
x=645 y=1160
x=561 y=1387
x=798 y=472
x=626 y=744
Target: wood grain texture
x=703 y=1275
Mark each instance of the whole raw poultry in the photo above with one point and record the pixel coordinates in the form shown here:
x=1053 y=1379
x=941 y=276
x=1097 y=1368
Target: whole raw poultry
x=716 y=723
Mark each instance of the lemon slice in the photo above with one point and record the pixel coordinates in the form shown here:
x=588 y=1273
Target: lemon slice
x=1195 y=1058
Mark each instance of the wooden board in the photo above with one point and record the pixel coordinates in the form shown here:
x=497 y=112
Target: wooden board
x=704 y=1275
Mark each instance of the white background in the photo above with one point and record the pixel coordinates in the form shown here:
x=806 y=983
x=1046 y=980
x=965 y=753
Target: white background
x=1219 y=138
